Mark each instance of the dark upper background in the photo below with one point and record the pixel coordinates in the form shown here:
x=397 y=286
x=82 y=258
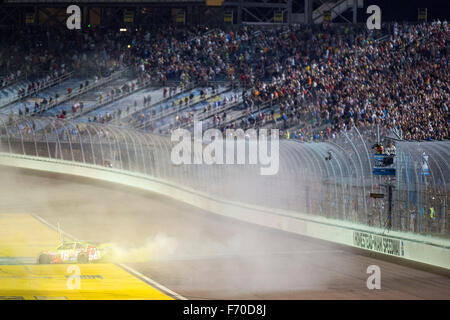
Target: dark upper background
x=406 y=10
x=198 y=13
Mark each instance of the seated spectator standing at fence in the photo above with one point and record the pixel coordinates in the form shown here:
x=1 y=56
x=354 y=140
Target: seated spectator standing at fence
x=390 y=152
x=390 y=149
x=412 y=219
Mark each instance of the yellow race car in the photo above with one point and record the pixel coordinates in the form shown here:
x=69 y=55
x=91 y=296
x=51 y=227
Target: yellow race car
x=75 y=252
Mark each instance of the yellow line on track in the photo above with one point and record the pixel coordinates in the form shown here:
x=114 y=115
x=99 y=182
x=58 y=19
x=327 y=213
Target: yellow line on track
x=97 y=282
x=23 y=236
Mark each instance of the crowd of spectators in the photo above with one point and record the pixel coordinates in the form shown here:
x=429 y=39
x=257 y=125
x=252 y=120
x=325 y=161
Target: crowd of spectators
x=326 y=81
x=9 y=78
x=42 y=51
x=309 y=82
x=318 y=81
x=44 y=56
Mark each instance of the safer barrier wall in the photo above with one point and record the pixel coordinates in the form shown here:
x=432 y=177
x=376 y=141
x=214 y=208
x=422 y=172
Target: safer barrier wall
x=424 y=249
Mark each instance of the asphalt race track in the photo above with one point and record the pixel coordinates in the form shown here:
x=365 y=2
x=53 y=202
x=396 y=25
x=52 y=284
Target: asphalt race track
x=199 y=255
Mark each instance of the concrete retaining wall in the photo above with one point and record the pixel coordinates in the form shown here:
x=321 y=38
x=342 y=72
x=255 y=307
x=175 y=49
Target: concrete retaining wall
x=429 y=250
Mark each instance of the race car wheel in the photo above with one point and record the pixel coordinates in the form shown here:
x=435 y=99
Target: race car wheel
x=44 y=259
x=82 y=258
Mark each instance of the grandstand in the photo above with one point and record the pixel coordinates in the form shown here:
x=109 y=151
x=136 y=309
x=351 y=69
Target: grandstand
x=309 y=81
x=105 y=102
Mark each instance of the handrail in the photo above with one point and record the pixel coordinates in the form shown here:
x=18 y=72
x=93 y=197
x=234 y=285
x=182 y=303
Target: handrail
x=182 y=107
x=331 y=8
x=46 y=85
x=190 y=86
x=167 y=112
x=72 y=95
x=114 y=98
x=13 y=82
x=241 y=114
x=26 y=135
x=212 y=112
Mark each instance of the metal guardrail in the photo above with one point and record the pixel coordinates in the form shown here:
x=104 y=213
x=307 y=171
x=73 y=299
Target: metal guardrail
x=46 y=85
x=238 y=115
x=210 y=113
x=13 y=82
x=179 y=108
x=67 y=96
x=114 y=98
x=183 y=90
x=91 y=86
